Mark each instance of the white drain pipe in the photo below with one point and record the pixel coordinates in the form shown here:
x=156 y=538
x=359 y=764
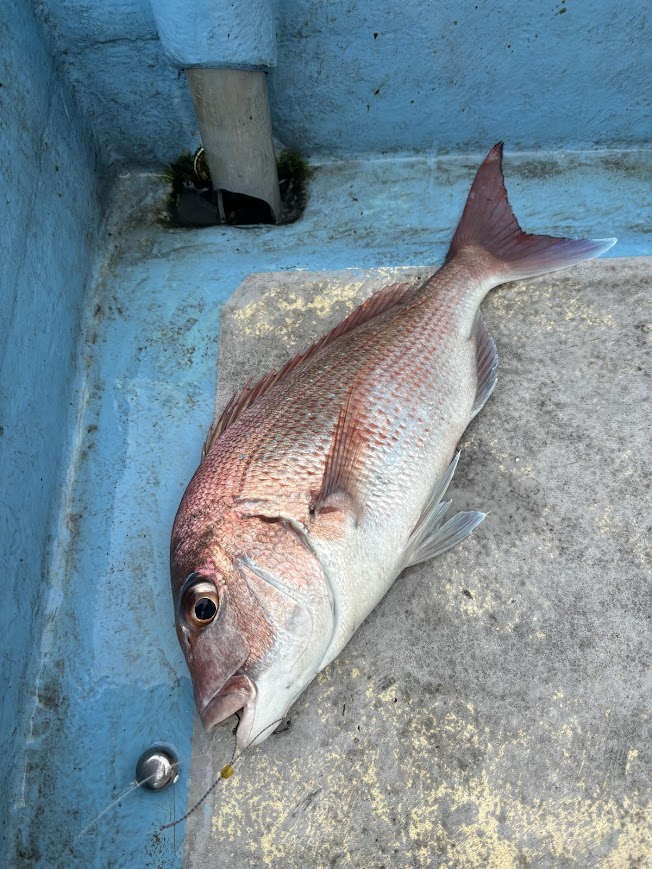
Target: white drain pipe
x=226 y=49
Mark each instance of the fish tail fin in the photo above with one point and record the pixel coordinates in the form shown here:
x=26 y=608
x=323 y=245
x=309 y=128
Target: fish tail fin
x=488 y=222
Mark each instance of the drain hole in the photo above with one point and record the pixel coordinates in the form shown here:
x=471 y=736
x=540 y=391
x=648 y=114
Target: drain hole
x=242 y=210
x=194 y=202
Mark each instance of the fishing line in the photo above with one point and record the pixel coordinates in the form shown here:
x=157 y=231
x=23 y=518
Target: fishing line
x=225 y=773
x=72 y=845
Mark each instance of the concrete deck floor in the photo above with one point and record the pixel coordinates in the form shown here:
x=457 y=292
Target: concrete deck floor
x=494 y=710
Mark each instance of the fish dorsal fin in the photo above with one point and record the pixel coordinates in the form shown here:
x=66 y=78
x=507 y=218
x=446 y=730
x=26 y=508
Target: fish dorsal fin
x=237 y=405
x=486 y=360
x=372 y=307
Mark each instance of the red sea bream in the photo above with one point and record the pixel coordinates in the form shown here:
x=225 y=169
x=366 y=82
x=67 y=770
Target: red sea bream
x=322 y=483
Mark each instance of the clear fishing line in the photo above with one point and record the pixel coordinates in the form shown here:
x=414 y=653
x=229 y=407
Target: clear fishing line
x=225 y=773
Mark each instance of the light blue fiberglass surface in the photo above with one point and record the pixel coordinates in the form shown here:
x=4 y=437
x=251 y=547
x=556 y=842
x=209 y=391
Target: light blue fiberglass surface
x=111 y=677
x=368 y=77
x=48 y=244
x=109 y=321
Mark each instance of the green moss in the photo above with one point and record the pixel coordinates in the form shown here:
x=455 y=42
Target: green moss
x=292 y=163
x=191 y=200
x=294 y=171
x=182 y=169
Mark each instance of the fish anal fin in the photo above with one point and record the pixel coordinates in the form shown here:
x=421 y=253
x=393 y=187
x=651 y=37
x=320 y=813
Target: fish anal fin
x=431 y=535
x=486 y=358
x=382 y=301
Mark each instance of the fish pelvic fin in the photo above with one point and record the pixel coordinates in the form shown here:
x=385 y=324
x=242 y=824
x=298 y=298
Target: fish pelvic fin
x=488 y=222
x=383 y=300
x=431 y=535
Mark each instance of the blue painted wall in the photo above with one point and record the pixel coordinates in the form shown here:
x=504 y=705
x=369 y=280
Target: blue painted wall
x=50 y=207
x=439 y=75
x=454 y=76
x=113 y=59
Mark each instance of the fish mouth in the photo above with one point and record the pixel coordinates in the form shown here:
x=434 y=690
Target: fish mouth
x=237 y=693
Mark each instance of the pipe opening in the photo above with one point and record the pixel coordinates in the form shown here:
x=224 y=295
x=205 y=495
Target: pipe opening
x=238 y=209
x=193 y=201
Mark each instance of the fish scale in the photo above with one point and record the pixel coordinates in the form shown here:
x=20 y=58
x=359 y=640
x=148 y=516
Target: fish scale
x=322 y=482
x=395 y=363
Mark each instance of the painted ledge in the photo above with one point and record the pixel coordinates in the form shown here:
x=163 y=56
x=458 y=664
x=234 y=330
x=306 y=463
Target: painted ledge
x=203 y=33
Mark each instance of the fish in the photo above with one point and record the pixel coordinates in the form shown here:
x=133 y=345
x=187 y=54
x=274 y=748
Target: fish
x=322 y=482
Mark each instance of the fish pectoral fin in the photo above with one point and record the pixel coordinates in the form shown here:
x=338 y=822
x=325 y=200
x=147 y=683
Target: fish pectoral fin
x=431 y=535
x=340 y=489
x=486 y=360
x=335 y=517
x=329 y=518
x=336 y=507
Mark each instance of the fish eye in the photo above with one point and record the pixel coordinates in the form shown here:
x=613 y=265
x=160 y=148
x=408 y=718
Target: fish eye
x=200 y=603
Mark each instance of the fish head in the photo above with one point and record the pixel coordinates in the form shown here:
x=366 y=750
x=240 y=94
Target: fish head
x=254 y=623
x=215 y=647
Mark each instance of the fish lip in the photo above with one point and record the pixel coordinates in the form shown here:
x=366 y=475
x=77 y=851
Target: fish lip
x=237 y=693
